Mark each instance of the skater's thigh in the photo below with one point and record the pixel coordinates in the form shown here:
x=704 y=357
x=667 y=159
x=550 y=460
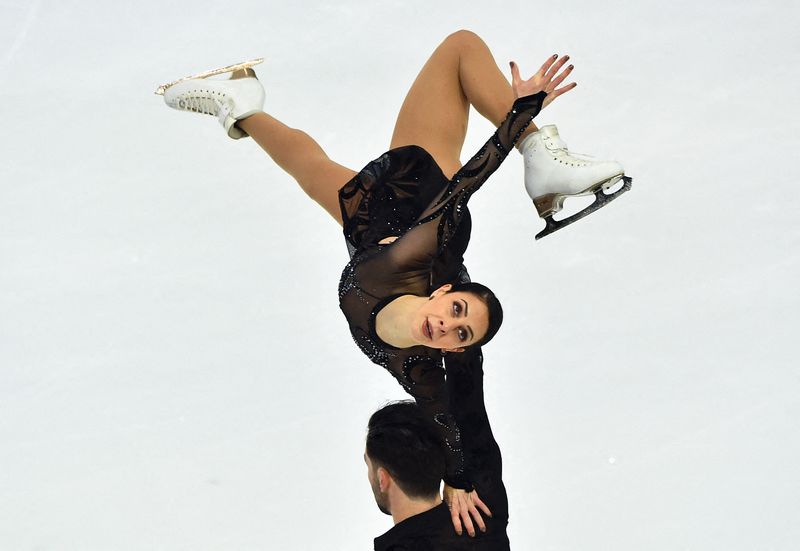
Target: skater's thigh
x=321 y=180
x=435 y=112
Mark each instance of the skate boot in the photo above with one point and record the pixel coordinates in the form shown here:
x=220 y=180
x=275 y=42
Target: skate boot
x=229 y=100
x=552 y=174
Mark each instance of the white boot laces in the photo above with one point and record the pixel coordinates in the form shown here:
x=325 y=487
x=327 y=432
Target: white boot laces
x=570 y=156
x=198 y=104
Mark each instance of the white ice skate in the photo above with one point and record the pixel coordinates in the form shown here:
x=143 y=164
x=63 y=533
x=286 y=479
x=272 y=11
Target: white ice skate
x=552 y=174
x=229 y=100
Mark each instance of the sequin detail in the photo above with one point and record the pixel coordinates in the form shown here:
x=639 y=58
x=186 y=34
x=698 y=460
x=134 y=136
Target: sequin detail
x=404 y=193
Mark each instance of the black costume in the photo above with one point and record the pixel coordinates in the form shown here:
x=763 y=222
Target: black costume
x=404 y=193
x=433 y=529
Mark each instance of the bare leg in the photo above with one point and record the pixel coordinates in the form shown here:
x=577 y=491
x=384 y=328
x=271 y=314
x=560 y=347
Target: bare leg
x=460 y=72
x=300 y=156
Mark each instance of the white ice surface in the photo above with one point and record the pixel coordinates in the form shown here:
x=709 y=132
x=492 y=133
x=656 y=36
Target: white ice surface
x=175 y=373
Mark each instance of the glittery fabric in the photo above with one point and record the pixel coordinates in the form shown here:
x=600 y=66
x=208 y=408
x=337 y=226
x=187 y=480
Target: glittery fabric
x=404 y=194
x=433 y=529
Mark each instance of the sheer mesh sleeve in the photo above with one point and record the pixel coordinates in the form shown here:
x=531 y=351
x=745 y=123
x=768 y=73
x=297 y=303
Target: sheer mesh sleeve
x=420 y=245
x=423 y=377
x=482 y=456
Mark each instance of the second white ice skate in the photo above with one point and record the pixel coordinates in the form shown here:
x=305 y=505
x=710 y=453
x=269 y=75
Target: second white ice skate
x=229 y=100
x=552 y=174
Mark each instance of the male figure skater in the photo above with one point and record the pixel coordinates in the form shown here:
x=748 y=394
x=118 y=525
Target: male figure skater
x=405 y=464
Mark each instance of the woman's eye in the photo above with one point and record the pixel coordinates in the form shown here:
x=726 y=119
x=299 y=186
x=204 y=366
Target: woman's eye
x=462 y=335
x=456 y=308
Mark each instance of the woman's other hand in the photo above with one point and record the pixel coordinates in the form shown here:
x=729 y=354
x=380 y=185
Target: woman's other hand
x=546 y=80
x=464 y=508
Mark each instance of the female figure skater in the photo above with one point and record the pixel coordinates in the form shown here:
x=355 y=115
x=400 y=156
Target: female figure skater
x=405 y=292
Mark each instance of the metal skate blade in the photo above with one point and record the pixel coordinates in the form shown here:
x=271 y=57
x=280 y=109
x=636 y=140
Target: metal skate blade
x=551 y=204
x=601 y=200
x=228 y=69
x=611 y=183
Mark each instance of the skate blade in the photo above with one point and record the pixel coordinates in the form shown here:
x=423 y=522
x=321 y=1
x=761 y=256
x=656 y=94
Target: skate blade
x=601 y=200
x=245 y=65
x=552 y=203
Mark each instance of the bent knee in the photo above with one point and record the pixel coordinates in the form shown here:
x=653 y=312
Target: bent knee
x=463 y=37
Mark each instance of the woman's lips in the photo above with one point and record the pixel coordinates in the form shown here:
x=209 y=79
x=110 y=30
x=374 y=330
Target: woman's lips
x=426 y=329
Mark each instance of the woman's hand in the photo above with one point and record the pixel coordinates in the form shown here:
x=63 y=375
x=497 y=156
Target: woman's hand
x=462 y=504
x=547 y=80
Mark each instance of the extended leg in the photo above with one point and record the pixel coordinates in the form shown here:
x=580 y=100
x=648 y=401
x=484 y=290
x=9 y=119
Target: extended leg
x=460 y=72
x=302 y=158
x=238 y=103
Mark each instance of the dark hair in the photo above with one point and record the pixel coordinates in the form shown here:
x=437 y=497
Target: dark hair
x=402 y=440
x=492 y=304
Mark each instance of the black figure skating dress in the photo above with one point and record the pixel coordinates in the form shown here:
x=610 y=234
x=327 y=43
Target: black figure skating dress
x=404 y=194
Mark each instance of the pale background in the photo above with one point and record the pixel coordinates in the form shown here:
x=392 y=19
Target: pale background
x=175 y=373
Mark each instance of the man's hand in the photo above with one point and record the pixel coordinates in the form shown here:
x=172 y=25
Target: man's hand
x=546 y=80
x=464 y=505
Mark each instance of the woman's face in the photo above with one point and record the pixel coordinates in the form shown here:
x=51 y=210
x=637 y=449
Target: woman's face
x=450 y=321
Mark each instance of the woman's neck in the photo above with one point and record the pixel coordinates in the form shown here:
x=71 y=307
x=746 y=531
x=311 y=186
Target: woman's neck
x=393 y=322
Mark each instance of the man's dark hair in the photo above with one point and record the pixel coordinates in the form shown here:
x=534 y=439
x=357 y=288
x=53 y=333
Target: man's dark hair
x=402 y=440
x=487 y=296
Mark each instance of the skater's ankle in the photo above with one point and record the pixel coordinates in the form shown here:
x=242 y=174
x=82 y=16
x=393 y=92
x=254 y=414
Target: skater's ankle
x=248 y=121
x=528 y=131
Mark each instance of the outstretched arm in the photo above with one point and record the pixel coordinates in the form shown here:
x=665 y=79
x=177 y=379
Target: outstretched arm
x=439 y=222
x=481 y=452
x=423 y=377
x=418 y=247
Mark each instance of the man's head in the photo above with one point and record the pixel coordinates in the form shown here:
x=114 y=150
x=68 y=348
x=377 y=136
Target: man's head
x=404 y=453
